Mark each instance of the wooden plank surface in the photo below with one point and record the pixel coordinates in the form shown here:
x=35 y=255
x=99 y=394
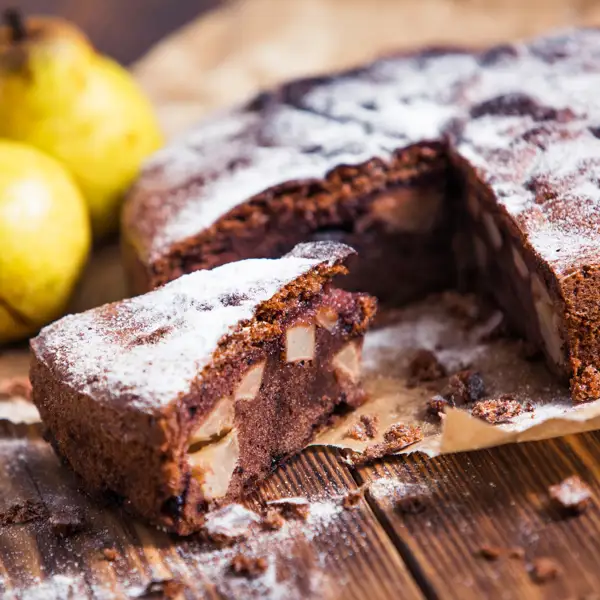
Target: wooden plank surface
x=336 y=553
x=418 y=531
x=441 y=513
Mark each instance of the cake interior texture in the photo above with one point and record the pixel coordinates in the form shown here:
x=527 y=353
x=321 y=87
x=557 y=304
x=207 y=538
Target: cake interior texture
x=181 y=400
x=442 y=167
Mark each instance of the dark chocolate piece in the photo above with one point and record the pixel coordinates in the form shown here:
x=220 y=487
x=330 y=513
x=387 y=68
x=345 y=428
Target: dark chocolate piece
x=182 y=399
x=544 y=569
x=433 y=165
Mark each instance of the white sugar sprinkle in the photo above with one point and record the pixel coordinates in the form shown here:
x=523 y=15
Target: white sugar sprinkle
x=150 y=348
x=395 y=102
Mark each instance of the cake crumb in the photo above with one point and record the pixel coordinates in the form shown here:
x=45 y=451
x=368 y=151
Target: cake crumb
x=352 y=498
x=370 y=424
x=396 y=438
x=436 y=406
x=464 y=387
x=273 y=520
x=246 y=566
x=67 y=521
x=516 y=552
x=498 y=410
x=23 y=512
x=292 y=508
x=11 y=387
x=109 y=554
x=425 y=366
x=165 y=589
x=586 y=386
x=489 y=553
x=544 y=569
x=572 y=495
x=365 y=429
x=229 y=524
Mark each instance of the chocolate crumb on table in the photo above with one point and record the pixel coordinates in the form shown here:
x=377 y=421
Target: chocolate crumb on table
x=499 y=410
x=273 y=520
x=246 y=566
x=425 y=366
x=164 y=589
x=23 y=512
x=291 y=508
x=490 y=553
x=109 y=554
x=67 y=521
x=352 y=498
x=544 y=569
x=571 y=496
x=229 y=524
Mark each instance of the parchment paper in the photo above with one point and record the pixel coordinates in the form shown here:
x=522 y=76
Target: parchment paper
x=226 y=57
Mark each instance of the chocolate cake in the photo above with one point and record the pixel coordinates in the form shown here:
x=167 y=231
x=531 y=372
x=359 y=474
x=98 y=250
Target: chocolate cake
x=432 y=165
x=182 y=399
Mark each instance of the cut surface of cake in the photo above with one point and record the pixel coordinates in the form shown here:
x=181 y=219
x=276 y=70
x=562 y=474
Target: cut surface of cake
x=183 y=398
x=432 y=164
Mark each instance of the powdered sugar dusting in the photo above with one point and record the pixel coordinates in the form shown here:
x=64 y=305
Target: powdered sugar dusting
x=294 y=570
x=231 y=521
x=518 y=113
x=149 y=349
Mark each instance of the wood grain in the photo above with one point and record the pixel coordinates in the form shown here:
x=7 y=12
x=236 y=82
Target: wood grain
x=338 y=553
x=495 y=498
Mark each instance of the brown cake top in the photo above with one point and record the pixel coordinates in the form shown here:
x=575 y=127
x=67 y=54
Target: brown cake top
x=524 y=115
x=147 y=350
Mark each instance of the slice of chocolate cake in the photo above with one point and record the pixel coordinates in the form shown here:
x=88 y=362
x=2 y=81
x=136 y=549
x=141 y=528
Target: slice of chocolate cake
x=185 y=397
x=431 y=164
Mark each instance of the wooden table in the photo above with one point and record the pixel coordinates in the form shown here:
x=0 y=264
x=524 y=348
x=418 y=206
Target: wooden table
x=385 y=547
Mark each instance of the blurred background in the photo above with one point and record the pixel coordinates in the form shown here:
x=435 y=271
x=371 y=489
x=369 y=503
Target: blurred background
x=122 y=29
x=229 y=48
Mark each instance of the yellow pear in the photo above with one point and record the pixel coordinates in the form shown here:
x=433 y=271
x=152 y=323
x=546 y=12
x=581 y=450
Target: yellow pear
x=44 y=239
x=59 y=95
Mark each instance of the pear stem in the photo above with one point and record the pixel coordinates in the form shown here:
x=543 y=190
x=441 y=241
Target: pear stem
x=14 y=20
